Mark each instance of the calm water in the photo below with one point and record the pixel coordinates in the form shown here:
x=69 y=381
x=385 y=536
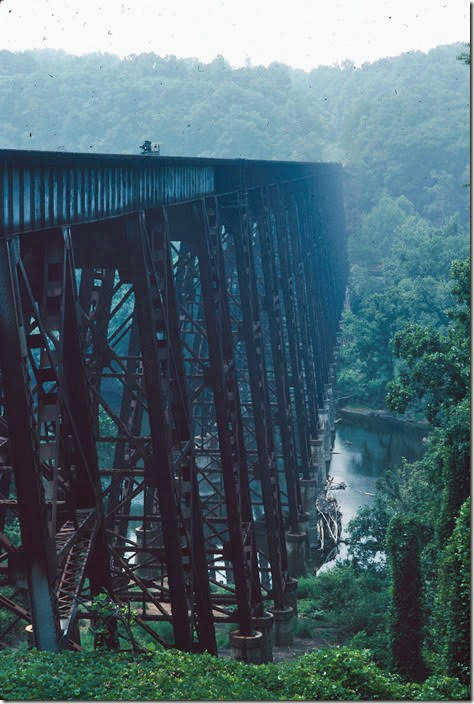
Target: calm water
x=364 y=449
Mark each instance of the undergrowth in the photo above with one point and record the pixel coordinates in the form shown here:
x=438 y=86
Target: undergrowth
x=330 y=674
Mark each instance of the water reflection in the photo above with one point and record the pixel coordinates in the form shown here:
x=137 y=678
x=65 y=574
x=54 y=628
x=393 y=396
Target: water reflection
x=364 y=449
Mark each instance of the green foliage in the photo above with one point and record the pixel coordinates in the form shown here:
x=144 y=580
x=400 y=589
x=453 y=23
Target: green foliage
x=303 y=627
x=12 y=530
x=429 y=556
x=399 y=274
x=441 y=687
x=339 y=673
x=367 y=534
x=353 y=601
x=453 y=598
x=465 y=56
x=330 y=674
x=436 y=364
x=223 y=635
x=406 y=617
x=437 y=369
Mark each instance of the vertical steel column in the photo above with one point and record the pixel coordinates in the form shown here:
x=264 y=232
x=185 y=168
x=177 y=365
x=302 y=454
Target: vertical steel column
x=234 y=467
x=75 y=393
x=95 y=300
x=319 y=254
x=294 y=325
x=162 y=469
x=238 y=221
x=314 y=297
x=273 y=306
x=248 y=535
x=204 y=625
x=5 y=467
x=37 y=544
x=131 y=415
x=298 y=256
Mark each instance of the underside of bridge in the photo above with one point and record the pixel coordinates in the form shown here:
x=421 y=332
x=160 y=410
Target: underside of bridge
x=168 y=332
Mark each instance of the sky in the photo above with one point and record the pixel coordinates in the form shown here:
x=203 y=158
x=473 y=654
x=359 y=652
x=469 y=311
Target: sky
x=301 y=33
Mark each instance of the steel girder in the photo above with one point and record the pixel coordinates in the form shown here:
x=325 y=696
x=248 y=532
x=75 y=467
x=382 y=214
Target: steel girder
x=50 y=440
x=161 y=396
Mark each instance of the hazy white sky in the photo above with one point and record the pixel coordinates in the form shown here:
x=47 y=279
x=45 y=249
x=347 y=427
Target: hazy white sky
x=301 y=33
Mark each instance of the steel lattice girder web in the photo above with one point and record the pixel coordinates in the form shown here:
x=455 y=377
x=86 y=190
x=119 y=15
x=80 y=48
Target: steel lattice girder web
x=165 y=377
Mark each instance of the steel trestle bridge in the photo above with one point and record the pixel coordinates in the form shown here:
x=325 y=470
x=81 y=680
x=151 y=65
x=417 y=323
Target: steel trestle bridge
x=168 y=335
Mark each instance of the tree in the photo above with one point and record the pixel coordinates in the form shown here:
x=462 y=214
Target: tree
x=406 y=616
x=453 y=599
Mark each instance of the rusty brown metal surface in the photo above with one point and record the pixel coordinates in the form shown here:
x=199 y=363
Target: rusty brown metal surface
x=167 y=335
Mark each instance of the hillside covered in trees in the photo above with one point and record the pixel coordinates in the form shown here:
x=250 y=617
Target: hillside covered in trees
x=400 y=125
x=401 y=128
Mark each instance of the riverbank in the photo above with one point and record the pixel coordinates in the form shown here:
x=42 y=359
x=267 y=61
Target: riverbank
x=348 y=412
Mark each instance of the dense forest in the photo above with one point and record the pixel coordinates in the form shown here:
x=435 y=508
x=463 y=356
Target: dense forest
x=400 y=126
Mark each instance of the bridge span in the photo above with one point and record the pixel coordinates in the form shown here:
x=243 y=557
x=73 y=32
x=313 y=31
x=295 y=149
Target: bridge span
x=168 y=335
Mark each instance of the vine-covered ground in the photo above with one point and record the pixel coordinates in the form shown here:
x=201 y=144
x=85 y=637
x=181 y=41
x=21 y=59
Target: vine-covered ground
x=330 y=674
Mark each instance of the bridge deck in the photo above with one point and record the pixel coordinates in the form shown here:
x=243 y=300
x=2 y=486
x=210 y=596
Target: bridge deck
x=39 y=190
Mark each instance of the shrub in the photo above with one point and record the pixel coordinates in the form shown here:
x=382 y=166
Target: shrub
x=330 y=674
x=339 y=673
x=302 y=628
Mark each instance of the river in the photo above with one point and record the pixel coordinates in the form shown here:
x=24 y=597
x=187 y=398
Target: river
x=364 y=448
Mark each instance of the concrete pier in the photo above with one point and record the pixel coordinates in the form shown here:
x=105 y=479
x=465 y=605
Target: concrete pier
x=296 y=551
x=264 y=624
x=282 y=625
x=248 y=648
x=291 y=589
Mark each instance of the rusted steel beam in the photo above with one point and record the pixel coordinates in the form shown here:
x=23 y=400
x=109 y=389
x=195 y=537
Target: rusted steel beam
x=202 y=403
x=272 y=303
x=303 y=305
x=314 y=293
x=154 y=345
x=190 y=499
x=293 y=326
x=5 y=465
x=24 y=450
x=170 y=432
x=237 y=219
x=223 y=381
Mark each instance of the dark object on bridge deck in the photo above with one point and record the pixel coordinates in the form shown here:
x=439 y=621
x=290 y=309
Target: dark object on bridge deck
x=148 y=148
x=168 y=329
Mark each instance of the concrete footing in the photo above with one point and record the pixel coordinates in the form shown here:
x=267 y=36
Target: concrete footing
x=296 y=551
x=264 y=624
x=247 y=648
x=303 y=521
x=308 y=493
x=282 y=626
x=291 y=587
x=317 y=459
x=303 y=527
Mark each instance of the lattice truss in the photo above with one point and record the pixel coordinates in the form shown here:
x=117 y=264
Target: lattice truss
x=163 y=378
